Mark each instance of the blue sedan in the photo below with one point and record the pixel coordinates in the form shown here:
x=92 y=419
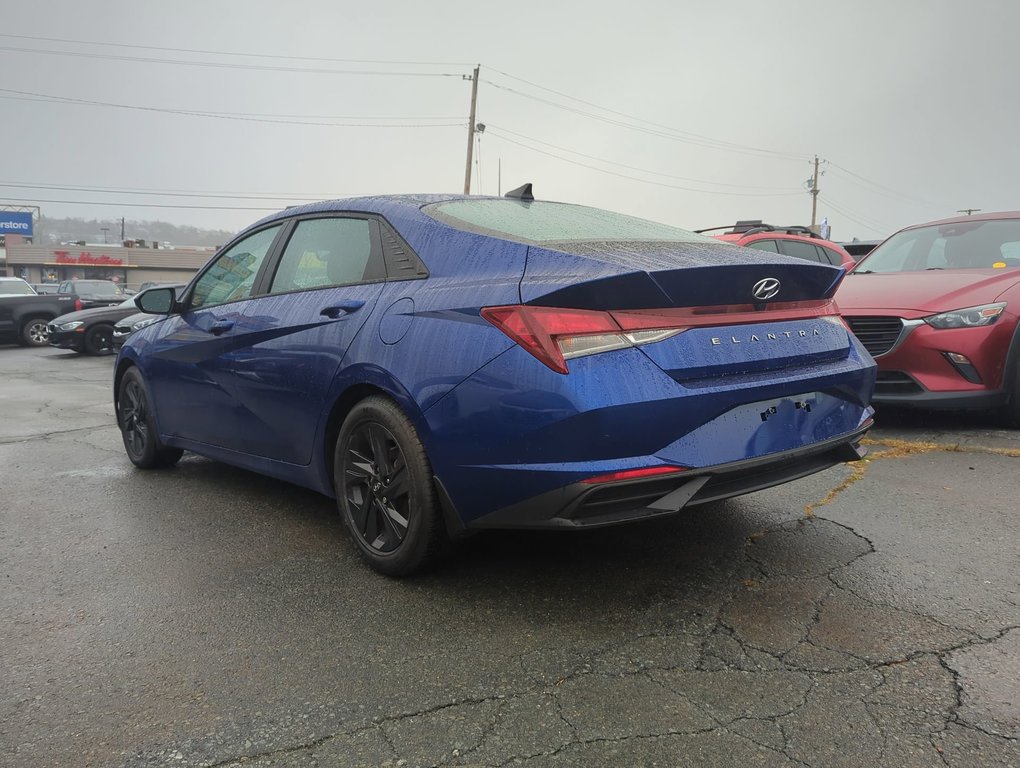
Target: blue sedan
x=439 y=364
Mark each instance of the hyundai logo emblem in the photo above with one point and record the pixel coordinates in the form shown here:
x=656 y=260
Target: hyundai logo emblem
x=766 y=289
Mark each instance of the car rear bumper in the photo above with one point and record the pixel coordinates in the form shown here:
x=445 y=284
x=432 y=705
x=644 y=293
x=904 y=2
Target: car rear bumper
x=582 y=505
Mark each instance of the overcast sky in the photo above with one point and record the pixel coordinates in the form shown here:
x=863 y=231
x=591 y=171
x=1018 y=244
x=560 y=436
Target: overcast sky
x=692 y=113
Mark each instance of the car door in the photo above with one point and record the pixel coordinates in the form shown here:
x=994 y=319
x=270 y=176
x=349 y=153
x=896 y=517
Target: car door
x=188 y=362
x=322 y=289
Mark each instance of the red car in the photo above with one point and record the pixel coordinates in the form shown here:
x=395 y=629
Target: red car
x=799 y=242
x=937 y=306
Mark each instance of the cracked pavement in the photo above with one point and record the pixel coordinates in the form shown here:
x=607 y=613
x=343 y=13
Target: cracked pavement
x=205 y=616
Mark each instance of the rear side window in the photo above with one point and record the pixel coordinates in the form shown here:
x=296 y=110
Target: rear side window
x=231 y=276
x=327 y=252
x=834 y=258
x=801 y=250
x=764 y=245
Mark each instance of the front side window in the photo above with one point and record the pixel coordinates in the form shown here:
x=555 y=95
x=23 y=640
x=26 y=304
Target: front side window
x=326 y=252
x=232 y=276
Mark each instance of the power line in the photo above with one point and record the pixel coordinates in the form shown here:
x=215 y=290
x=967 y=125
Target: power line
x=282 y=115
x=645 y=181
x=288 y=197
x=721 y=142
x=223 y=64
x=55 y=99
x=874 y=227
x=670 y=134
x=500 y=129
x=147 y=205
x=875 y=184
x=234 y=53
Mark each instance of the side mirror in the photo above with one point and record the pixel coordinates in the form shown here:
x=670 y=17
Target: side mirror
x=156 y=301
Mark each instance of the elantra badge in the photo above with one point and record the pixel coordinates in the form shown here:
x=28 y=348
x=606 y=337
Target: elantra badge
x=766 y=289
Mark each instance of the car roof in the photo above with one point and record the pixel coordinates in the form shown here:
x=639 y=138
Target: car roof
x=737 y=237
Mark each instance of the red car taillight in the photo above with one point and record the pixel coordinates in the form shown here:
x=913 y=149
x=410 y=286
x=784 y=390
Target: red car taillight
x=554 y=335
x=635 y=474
x=77 y=305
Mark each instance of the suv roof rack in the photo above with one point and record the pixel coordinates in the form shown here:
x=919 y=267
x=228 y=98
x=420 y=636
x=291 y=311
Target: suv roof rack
x=754 y=226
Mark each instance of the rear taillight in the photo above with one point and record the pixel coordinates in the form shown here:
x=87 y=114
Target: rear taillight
x=635 y=474
x=555 y=335
x=77 y=305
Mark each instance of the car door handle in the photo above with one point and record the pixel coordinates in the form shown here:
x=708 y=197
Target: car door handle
x=221 y=326
x=344 y=308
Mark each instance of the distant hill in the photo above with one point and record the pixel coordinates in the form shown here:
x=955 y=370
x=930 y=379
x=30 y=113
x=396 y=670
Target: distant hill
x=54 y=230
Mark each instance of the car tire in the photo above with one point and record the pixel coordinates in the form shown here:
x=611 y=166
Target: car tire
x=138 y=425
x=1009 y=414
x=34 y=333
x=385 y=492
x=99 y=340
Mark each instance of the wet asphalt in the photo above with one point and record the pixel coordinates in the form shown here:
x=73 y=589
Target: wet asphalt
x=206 y=616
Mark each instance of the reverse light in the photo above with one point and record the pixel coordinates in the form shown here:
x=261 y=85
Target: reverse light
x=555 y=335
x=971 y=317
x=635 y=474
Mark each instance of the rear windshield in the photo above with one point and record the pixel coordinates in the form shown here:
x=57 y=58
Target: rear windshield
x=544 y=222
x=15 y=288
x=964 y=245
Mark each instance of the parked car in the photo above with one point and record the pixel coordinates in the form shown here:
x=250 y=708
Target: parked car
x=446 y=363
x=858 y=249
x=799 y=242
x=91 y=331
x=15 y=286
x=24 y=314
x=128 y=325
x=92 y=293
x=937 y=305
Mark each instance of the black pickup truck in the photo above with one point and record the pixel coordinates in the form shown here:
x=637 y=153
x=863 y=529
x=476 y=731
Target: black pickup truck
x=24 y=314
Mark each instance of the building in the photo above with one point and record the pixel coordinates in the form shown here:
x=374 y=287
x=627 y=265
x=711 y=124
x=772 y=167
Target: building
x=128 y=266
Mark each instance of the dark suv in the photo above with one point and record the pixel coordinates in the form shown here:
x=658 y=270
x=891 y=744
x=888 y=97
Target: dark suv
x=796 y=241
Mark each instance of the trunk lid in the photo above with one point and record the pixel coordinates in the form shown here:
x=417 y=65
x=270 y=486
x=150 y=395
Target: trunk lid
x=655 y=275
x=707 y=289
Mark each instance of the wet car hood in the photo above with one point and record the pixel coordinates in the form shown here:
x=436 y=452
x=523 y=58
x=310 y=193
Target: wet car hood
x=99 y=313
x=929 y=291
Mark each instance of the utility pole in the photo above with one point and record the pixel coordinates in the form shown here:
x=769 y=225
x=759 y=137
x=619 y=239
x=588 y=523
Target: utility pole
x=814 y=194
x=122 y=229
x=471 y=129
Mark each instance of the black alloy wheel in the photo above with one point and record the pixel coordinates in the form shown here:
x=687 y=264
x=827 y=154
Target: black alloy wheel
x=138 y=427
x=384 y=490
x=99 y=340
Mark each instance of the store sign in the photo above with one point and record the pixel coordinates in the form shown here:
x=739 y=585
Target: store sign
x=87 y=259
x=16 y=223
